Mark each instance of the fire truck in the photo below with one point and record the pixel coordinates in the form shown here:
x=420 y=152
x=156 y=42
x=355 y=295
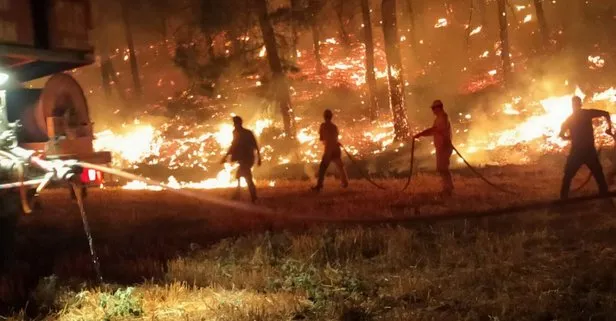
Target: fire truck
x=44 y=131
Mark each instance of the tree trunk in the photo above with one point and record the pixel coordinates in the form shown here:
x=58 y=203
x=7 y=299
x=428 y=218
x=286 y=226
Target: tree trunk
x=294 y=38
x=134 y=67
x=103 y=47
x=116 y=81
x=373 y=106
x=543 y=26
x=233 y=36
x=105 y=75
x=409 y=5
x=344 y=35
x=394 y=70
x=483 y=11
x=279 y=79
x=316 y=47
x=504 y=38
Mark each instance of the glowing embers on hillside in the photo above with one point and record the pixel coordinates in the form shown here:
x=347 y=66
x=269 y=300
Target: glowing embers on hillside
x=342 y=66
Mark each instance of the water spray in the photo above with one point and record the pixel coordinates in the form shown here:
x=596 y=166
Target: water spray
x=86 y=227
x=209 y=199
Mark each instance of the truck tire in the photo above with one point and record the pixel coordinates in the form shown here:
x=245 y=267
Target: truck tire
x=9 y=216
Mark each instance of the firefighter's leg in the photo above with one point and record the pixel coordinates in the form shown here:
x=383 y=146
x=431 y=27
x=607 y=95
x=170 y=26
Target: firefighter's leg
x=442 y=166
x=342 y=171
x=251 y=184
x=322 y=170
x=574 y=161
x=594 y=165
x=238 y=175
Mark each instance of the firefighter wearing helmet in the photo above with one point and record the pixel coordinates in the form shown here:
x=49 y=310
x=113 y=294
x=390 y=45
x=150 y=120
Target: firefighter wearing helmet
x=441 y=131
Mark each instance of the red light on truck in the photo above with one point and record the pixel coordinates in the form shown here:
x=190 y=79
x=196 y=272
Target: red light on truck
x=91 y=176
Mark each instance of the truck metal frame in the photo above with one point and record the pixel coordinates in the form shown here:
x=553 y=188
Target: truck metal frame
x=57 y=113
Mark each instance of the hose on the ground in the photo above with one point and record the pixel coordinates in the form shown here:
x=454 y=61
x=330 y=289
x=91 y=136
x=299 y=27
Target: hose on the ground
x=361 y=172
x=411 y=166
x=588 y=177
x=585 y=182
x=483 y=178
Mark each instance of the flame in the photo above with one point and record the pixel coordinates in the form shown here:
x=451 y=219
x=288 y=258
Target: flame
x=331 y=41
x=304 y=136
x=608 y=95
x=441 y=23
x=262 y=124
x=510 y=110
x=224 y=136
x=132 y=147
x=542 y=127
x=262 y=52
x=596 y=61
x=528 y=18
x=476 y=31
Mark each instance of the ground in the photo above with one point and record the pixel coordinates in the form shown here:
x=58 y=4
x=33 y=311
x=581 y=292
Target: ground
x=337 y=255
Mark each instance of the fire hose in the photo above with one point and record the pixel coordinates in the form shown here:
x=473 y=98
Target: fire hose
x=359 y=169
x=410 y=176
x=589 y=176
x=483 y=178
x=408 y=181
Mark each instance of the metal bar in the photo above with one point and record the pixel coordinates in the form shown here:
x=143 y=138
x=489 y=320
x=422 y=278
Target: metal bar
x=55 y=55
x=33 y=182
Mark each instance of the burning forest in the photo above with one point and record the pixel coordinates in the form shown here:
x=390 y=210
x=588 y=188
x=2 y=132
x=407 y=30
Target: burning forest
x=175 y=121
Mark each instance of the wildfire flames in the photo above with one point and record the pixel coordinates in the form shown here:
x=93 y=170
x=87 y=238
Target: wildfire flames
x=143 y=144
x=174 y=145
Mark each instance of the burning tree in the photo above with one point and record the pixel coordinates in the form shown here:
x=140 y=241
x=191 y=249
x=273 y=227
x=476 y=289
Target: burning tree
x=504 y=39
x=314 y=7
x=131 y=49
x=370 y=75
x=543 y=25
x=343 y=17
x=394 y=70
x=279 y=80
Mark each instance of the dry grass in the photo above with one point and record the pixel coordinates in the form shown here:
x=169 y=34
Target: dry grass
x=533 y=266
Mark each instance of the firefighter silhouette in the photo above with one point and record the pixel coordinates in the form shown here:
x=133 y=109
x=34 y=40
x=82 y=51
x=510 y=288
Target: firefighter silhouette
x=242 y=151
x=328 y=135
x=441 y=131
x=583 y=152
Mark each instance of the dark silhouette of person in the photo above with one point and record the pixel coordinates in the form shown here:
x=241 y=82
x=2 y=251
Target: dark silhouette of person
x=328 y=134
x=441 y=131
x=583 y=150
x=242 y=151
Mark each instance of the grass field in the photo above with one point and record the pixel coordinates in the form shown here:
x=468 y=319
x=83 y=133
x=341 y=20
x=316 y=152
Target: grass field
x=166 y=257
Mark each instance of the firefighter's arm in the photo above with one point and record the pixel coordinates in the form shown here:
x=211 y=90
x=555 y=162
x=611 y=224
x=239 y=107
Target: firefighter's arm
x=608 y=120
x=224 y=158
x=321 y=137
x=258 y=151
x=428 y=132
x=563 y=131
x=231 y=148
x=596 y=113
